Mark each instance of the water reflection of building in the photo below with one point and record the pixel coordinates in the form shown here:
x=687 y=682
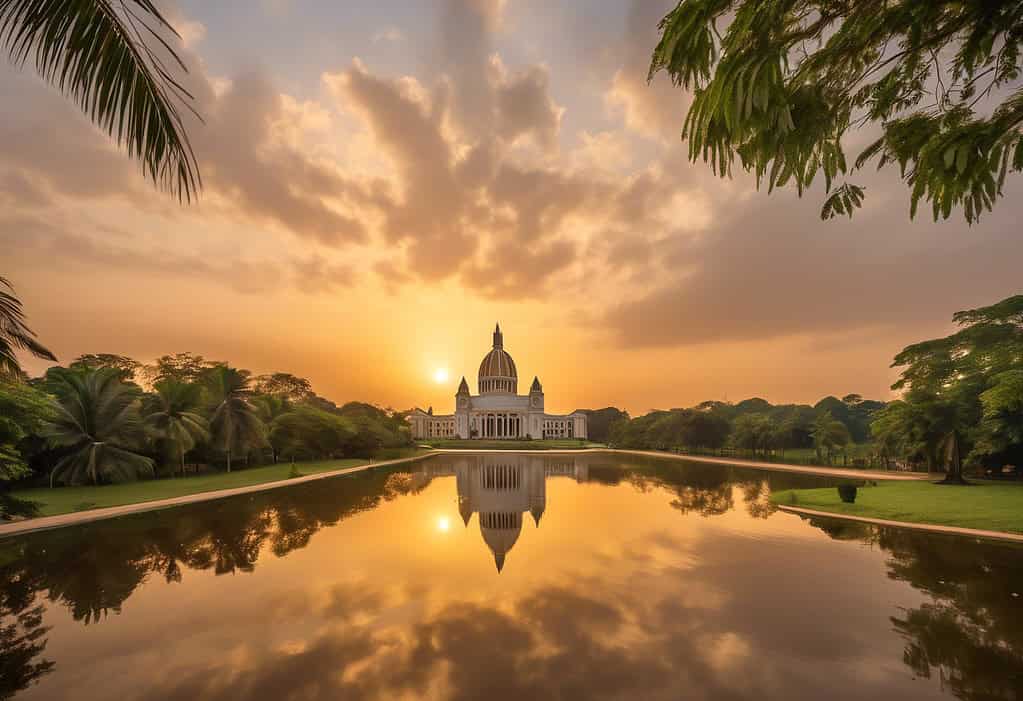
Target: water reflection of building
x=501 y=489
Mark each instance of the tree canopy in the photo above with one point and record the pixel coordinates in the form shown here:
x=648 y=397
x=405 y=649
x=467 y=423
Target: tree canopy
x=780 y=85
x=962 y=392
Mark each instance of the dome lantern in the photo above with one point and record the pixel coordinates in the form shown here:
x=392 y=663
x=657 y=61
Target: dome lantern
x=497 y=372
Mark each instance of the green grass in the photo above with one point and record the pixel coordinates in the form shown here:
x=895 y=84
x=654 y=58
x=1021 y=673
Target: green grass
x=62 y=500
x=996 y=506
x=557 y=444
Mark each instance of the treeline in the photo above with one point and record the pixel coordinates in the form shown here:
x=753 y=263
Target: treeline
x=108 y=418
x=753 y=426
x=960 y=405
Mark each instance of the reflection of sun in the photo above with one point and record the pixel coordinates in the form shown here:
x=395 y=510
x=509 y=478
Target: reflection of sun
x=443 y=524
x=440 y=375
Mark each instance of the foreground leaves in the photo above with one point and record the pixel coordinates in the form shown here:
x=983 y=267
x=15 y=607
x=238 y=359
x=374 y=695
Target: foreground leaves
x=110 y=57
x=789 y=79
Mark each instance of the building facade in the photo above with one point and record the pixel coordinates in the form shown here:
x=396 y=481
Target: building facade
x=498 y=411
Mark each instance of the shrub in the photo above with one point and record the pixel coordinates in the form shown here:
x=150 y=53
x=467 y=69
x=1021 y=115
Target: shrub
x=847 y=492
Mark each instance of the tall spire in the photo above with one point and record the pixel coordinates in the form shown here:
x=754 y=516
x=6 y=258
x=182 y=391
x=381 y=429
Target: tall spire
x=536 y=386
x=498 y=337
x=463 y=387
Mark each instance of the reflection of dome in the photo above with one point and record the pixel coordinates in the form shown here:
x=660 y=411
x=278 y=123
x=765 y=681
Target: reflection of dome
x=497 y=371
x=536 y=508
x=500 y=531
x=465 y=509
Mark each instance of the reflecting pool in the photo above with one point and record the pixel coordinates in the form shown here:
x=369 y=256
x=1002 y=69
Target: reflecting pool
x=499 y=576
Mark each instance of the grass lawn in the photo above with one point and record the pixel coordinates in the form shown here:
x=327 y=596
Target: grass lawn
x=554 y=444
x=996 y=506
x=62 y=500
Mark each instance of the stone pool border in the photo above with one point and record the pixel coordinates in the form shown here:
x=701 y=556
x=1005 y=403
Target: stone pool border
x=929 y=527
x=42 y=523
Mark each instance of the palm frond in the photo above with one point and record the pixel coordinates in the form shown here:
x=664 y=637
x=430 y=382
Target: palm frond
x=14 y=333
x=99 y=53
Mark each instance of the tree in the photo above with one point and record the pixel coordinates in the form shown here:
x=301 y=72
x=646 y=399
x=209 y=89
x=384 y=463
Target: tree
x=24 y=411
x=99 y=425
x=127 y=367
x=705 y=430
x=271 y=408
x=829 y=434
x=960 y=391
x=235 y=426
x=788 y=81
x=599 y=422
x=1001 y=426
x=753 y=432
x=184 y=367
x=295 y=389
x=14 y=333
x=173 y=417
x=96 y=53
x=309 y=432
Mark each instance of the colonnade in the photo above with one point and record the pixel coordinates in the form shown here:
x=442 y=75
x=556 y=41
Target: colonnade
x=499 y=425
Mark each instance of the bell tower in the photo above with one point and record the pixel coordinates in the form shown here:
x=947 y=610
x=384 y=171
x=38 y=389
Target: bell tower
x=462 y=402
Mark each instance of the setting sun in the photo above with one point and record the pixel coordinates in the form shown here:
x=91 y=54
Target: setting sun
x=440 y=375
x=443 y=524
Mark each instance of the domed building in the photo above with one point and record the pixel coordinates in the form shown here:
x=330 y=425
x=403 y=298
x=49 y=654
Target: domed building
x=498 y=411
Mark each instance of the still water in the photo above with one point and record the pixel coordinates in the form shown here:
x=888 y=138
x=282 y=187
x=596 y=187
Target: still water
x=509 y=577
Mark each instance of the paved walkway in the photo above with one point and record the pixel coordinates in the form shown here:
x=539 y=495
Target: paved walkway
x=43 y=523
x=77 y=517
x=786 y=467
x=738 y=462
x=930 y=527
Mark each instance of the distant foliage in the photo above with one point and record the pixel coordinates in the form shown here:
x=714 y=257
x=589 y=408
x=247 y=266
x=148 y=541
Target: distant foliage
x=753 y=426
x=599 y=422
x=779 y=86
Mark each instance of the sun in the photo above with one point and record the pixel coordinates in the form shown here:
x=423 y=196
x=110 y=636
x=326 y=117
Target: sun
x=440 y=375
x=443 y=524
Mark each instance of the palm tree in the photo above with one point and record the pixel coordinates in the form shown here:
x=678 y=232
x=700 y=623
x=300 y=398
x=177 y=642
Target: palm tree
x=174 y=419
x=271 y=407
x=235 y=425
x=96 y=53
x=98 y=421
x=15 y=334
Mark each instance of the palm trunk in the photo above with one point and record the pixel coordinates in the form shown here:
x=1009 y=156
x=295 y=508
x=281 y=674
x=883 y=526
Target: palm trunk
x=228 y=459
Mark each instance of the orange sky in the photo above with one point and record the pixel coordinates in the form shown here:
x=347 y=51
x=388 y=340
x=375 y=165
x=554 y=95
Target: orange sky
x=382 y=185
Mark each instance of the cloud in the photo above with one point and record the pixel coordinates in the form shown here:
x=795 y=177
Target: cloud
x=524 y=106
x=245 y=164
x=771 y=268
x=388 y=34
x=33 y=238
x=656 y=108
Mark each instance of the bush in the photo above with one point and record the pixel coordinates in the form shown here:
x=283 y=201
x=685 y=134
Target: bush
x=847 y=492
